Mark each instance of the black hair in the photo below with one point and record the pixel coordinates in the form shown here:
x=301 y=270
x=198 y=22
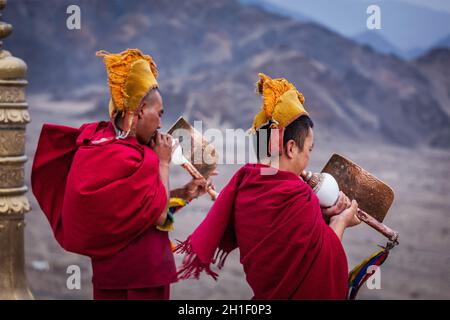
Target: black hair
x=297 y=130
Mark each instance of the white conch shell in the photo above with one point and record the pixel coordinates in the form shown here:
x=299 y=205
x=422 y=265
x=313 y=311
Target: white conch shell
x=327 y=190
x=177 y=154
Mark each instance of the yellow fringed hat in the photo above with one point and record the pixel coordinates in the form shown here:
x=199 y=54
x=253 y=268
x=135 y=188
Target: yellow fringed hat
x=282 y=103
x=131 y=75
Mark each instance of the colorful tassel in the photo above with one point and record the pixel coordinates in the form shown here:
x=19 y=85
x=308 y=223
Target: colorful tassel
x=359 y=275
x=174 y=205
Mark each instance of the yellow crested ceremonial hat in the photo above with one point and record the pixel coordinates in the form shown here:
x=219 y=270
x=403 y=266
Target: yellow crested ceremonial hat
x=131 y=75
x=281 y=105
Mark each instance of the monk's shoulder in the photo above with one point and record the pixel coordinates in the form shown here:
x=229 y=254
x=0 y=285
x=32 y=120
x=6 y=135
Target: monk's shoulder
x=115 y=157
x=299 y=194
x=125 y=153
x=295 y=184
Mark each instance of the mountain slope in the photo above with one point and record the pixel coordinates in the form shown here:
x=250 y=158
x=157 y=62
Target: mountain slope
x=435 y=65
x=209 y=54
x=374 y=40
x=444 y=42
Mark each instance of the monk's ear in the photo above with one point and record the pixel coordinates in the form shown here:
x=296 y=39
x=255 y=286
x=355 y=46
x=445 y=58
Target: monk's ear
x=141 y=109
x=290 y=149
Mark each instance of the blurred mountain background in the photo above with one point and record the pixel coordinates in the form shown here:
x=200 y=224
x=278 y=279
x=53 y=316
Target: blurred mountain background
x=379 y=97
x=356 y=81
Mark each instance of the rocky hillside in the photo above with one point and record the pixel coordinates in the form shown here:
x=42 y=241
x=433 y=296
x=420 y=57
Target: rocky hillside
x=435 y=65
x=209 y=54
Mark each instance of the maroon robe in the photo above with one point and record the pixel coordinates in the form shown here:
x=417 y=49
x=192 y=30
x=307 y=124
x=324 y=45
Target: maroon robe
x=102 y=197
x=286 y=248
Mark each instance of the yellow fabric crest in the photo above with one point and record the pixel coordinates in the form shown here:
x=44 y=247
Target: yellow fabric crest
x=131 y=75
x=282 y=103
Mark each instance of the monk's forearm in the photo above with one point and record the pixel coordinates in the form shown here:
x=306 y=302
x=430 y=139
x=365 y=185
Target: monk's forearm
x=338 y=227
x=164 y=175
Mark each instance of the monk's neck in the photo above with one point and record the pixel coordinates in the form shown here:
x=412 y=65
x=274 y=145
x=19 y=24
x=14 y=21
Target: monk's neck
x=284 y=166
x=118 y=123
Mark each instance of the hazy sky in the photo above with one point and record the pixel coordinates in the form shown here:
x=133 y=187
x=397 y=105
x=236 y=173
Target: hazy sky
x=434 y=4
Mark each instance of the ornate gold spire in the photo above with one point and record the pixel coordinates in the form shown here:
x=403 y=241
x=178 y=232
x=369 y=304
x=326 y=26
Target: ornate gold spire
x=14 y=117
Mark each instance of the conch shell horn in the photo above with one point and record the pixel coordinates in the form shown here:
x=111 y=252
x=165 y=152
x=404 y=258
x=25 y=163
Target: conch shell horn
x=372 y=194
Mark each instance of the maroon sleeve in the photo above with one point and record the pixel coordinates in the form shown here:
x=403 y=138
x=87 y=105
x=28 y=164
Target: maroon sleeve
x=52 y=160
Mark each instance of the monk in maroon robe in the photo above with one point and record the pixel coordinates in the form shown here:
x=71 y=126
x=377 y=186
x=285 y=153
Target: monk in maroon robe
x=286 y=247
x=104 y=188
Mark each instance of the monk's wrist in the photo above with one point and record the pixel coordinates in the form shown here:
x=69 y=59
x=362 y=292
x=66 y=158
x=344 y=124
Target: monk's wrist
x=178 y=193
x=338 y=222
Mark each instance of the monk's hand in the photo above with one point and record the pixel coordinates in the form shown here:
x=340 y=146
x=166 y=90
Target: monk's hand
x=348 y=217
x=342 y=203
x=162 y=145
x=196 y=188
